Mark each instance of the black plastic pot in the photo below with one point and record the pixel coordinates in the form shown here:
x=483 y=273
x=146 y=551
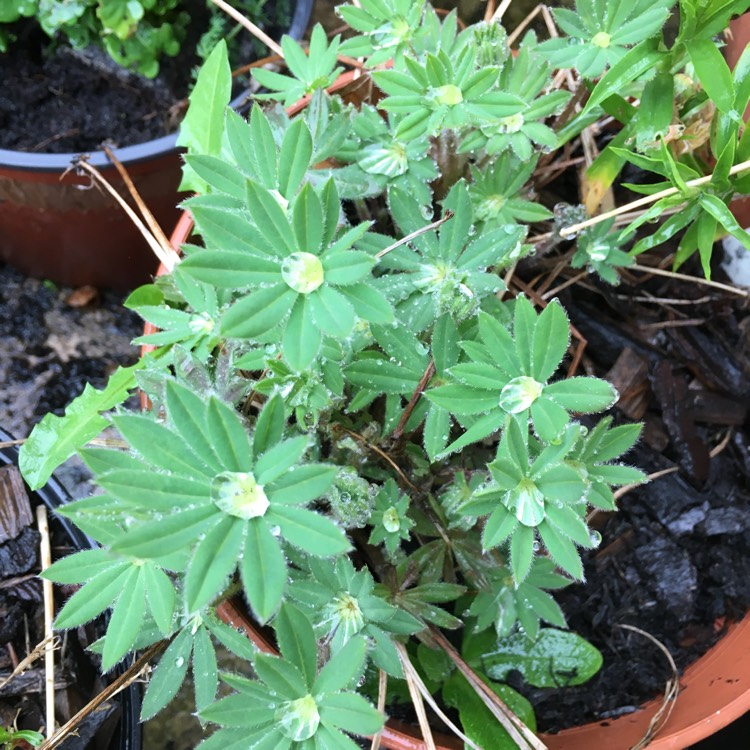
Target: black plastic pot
x=128 y=735
x=56 y=229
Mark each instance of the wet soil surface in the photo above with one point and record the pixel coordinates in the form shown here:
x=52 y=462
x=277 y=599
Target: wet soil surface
x=62 y=100
x=54 y=342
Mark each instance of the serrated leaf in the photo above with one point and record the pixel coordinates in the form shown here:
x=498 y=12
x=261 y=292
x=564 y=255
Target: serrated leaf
x=161 y=596
x=582 y=394
x=55 y=439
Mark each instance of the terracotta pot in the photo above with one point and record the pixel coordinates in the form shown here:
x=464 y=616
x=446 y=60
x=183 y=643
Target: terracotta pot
x=715 y=689
x=54 y=227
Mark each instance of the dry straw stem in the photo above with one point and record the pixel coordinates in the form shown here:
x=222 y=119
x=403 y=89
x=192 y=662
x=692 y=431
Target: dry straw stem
x=126 y=678
x=524 y=738
x=153 y=224
x=418 y=692
x=11 y=443
x=671 y=691
x=382 y=692
x=250 y=26
x=568 y=232
x=29 y=659
x=45 y=554
x=409 y=237
x=694 y=279
x=166 y=255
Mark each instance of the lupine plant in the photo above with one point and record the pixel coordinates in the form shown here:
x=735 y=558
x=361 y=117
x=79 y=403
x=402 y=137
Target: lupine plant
x=354 y=422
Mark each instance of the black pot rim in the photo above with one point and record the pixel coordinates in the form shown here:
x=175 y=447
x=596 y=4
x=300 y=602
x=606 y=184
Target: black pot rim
x=162 y=146
x=53 y=495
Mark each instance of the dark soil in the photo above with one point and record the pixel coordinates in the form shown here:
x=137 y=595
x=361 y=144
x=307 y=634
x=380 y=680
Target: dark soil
x=674 y=559
x=60 y=100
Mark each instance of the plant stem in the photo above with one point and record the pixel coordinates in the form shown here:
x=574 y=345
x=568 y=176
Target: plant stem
x=409 y=237
x=418 y=391
x=695 y=279
x=697 y=182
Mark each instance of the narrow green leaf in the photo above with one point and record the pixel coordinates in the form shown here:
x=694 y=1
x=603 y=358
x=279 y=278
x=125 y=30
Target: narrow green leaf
x=309 y=530
x=258 y=312
x=214 y=560
x=296 y=639
x=301 y=484
x=294 y=157
x=369 y=303
x=168 y=675
x=157 y=538
x=331 y=311
x=351 y=712
x=307 y=221
x=381 y=375
x=551 y=336
x=343 y=667
x=219 y=175
x=161 y=596
x=280 y=675
x=277 y=461
x=127 y=618
x=93 y=598
x=270 y=425
x=205 y=669
x=80 y=566
x=521 y=552
x=713 y=72
x=444 y=344
x=263 y=569
x=437 y=427
x=461 y=399
x=562 y=550
x=524 y=324
x=581 y=394
x=631 y=66
x=302 y=338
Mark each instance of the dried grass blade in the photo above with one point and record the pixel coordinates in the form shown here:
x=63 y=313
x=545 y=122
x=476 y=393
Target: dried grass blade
x=518 y=731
